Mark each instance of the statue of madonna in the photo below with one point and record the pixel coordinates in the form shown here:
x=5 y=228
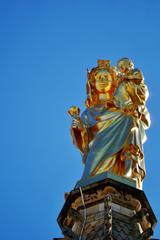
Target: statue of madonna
x=111 y=131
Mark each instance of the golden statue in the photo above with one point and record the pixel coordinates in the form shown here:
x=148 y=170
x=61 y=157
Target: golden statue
x=111 y=131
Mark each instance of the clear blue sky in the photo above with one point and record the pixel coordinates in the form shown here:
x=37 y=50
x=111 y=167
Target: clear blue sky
x=45 y=49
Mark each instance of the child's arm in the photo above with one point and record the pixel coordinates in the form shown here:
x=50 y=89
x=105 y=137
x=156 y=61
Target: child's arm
x=136 y=76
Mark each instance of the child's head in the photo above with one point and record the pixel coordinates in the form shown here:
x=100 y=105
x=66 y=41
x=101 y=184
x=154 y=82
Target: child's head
x=125 y=65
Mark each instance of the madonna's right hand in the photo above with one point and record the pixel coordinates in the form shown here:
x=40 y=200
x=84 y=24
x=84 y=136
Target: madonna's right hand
x=76 y=123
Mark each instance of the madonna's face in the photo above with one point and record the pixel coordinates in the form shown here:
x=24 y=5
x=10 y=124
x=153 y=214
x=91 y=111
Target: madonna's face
x=103 y=81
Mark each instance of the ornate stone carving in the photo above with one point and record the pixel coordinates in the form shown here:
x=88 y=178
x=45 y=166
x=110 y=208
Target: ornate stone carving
x=108 y=217
x=118 y=197
x=130 y=212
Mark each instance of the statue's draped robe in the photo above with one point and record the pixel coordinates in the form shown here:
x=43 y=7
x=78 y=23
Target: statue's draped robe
x=113 y=131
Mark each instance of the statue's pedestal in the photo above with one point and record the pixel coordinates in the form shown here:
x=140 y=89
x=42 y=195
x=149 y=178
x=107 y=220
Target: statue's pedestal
x=107 y=209
x=106 y=175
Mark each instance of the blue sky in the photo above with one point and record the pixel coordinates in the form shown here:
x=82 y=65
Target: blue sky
x=45 y=49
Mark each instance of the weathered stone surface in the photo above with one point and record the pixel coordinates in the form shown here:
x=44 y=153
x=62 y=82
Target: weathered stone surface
x=130 y=218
